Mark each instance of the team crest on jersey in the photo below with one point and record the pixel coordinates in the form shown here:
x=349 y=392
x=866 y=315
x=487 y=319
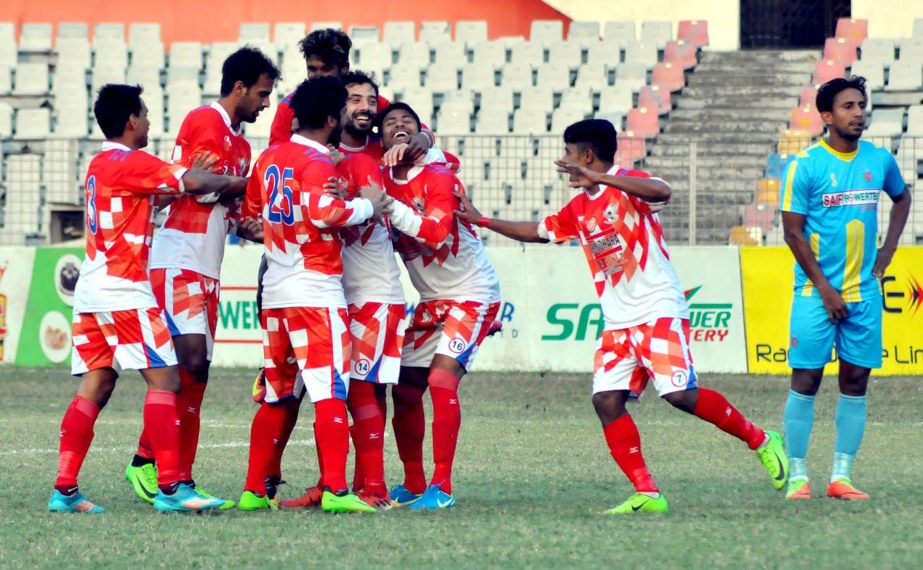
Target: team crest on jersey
x=418 y=205
x=867 y=176
x=591 y=225
x=610 y=213
x=227 y=143
x=833 y=179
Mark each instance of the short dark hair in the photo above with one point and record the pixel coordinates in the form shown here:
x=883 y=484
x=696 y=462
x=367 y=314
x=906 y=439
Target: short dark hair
x=246 y=65
x=400 y=105
x=829 y=90
x=115 y=103
x=359 y=78
x=597 y=134
x=316 y=99
x=330 y=45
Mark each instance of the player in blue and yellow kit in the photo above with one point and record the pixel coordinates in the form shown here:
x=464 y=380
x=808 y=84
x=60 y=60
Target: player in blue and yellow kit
x=830 y=217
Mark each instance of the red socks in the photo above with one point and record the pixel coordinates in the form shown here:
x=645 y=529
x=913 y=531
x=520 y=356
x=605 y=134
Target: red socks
x=443 y=388
x=625 y=446
x=265 y=435
x=368 y=431
x=162 y=426
x=274 y=467
x=714 y=408
x=409 y=428
x=76 y=436
x=331 y=431
x=188 y=408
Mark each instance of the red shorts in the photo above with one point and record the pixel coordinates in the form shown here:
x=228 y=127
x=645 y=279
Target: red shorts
x=377 y=333
x=306 y=349
x=627 y=358
x=190 y=301
x=452 y=328
x=134 y=339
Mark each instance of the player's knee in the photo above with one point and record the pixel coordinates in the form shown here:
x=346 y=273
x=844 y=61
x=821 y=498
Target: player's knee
x=406 y=396
x=197 y=363
x=609 y=406
x=806 y=382
x=684 y=400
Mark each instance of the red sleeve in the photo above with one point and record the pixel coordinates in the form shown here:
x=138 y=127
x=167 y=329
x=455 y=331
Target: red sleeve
x=144 y=173
x=357 y=169
x=319 y=208
x=253 y=199
x=200 y=134
x=281 y=130
x=438 y=219
x=563 y=226
x=643 y=207
x=384 y=103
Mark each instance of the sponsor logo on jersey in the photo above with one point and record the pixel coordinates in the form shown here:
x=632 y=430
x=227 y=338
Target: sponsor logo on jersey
x=850 y=198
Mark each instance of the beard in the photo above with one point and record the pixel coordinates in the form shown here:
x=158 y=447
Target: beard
x=357 y=132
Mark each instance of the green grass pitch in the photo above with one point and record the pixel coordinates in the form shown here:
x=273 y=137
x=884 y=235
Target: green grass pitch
x=532 y=477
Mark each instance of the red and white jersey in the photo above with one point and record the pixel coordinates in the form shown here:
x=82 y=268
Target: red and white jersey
x=194 y=233
x=444 y=256
x=370 y=271
x=300 y=224
x=623 y=241
x=121 y=186
x=372 y=148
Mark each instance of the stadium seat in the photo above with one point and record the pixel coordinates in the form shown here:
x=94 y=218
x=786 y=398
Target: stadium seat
x=915 y=121
x=568 y=53
x=364 y=36
x=153 y=98
x=556 y=75
x=583 y=31
x=8 y=54
x=877 y=49
x=918 y=27
x=478 y=76
x=693 y=31
x=852 y=29
x=761 y=216
x=620 y=32
x=669 y=76
x=6 y=120
x=442 y=79
x=72 y=30
x=150 y=54
x=656 y=96
x=872 y=70
x=489 y=53
x=35 y=37
x=517 y=76
x=767 y=191
x=494 y=122
x=412 y=53
x=73 y=52
x=288 y=34
x=106 y=74
x=618 y=99
x=565 y=116
x=631 y=149
x=841 y=50
x=528 y=52
x=530 y=121
x=886 y=123
x=471 y=31
x=745 y=236
x=6 y=80
x=325 y=25
x=399 y=32
x=33 y=123
x=643 y=122
x=181 y=98
x=31 y=79
x=141 y=33
x=421 y=99
x=540 y=97
x=68 y=82
x=450 y=54
x=641 y=52
x=912 y=50
x=607 y=52
x=793 y=141
x=592 y=76
x=806 y=118
x=435 y=33
x=617 y=119
x=375 y=55
x=110 y=52
x=577 y=99
x=680 y=52
x=253 y=32
x=402 y=77
x=657 y=32
x=71 y=118
x=546 y=31
x=633 y=75
x=825 y=70
x=109 y=31
x=905 y=76
x=808 y=95
x=453 y=121
x=186 y=55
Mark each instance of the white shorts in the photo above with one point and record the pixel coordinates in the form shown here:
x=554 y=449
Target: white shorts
x=451 y=328
x=134 y=339
x=377 y=333
x=190 y=301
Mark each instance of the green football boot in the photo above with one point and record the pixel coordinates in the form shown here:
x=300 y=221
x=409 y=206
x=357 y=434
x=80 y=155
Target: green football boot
x=225 y=505
x=641 y=503
x=143 y=480
x=344 y=503
x=772 y=455
x=250 y=501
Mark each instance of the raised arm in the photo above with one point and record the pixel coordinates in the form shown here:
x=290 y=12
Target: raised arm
x=644 y=187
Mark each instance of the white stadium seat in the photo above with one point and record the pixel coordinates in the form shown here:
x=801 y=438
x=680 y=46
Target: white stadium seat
x=253 y=32
x=6 y=120
x=478 y=76
x=546 y=31
x=658 y=32
x=288 y=34
x=72 y=30
x=399 y=32
x=109 y=31
x=32 y=123
x=620 y=32
x=31 y=79
x=186 y=55
x=905 y=76
x=471 y=31
x=35 y=37
x=434 y=33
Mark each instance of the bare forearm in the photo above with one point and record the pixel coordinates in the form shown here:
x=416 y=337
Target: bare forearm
x=648 y=189
x=201 y=182
x=519 y=231
x=900 y=211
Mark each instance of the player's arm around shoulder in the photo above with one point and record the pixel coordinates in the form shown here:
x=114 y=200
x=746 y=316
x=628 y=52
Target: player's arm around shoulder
x=325 y=211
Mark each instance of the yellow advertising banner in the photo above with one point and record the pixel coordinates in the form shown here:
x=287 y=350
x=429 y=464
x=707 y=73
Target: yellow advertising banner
x=768 y=277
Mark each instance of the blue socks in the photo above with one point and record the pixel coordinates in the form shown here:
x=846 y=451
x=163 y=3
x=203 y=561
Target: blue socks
x=850 y=427
x=798 y=419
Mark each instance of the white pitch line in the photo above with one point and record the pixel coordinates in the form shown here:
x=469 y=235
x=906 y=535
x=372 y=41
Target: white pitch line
x=228 y=445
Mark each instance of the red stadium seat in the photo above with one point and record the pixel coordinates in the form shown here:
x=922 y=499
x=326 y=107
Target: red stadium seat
x=807 y=118
x=656 y=96
x=693 y=31
x=808 y=95
x=680 y=52
x=669 y=75
x=643 y=121
x=842 y=50
x=826 y=70
x=631 y=149
x=761 y=216
x=851 y=29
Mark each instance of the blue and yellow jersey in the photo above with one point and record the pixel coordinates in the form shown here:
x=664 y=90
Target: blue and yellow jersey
x=838 y=195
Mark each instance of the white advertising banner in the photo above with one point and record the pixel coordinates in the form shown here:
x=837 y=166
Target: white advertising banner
x=550 y=312
x=15 y=277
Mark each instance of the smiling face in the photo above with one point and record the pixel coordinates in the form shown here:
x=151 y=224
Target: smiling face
x=361 y=108
x=398 y=127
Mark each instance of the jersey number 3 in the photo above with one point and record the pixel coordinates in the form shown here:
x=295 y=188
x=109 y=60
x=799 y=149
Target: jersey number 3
x=91 y=204
x=281 y=199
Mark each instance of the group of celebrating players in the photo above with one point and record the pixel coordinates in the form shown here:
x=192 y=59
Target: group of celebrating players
x=348 y=180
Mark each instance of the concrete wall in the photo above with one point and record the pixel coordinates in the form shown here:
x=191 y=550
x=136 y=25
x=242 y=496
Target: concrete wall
x=723 y=15
x=888 y=18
